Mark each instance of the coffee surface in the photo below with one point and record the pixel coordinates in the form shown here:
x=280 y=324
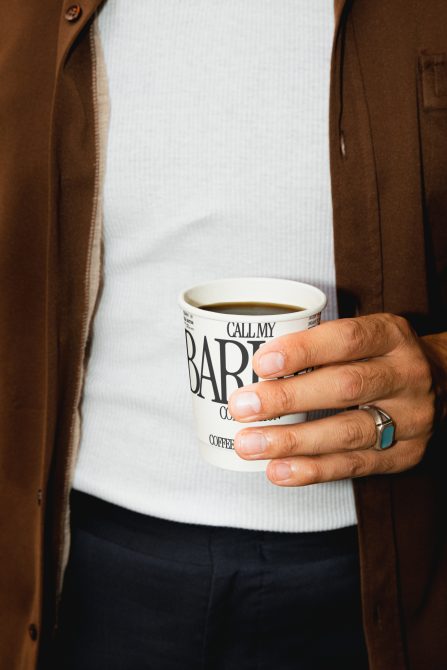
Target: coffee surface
x=251 y=308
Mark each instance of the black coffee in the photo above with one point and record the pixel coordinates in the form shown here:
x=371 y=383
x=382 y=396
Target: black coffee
x=251 y=308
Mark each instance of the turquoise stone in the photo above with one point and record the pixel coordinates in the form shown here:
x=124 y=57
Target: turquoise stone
x=387 y=437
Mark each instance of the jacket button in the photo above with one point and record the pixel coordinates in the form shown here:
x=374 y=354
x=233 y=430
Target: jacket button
x=32 y=630
x=73 y=13
x=39 y=496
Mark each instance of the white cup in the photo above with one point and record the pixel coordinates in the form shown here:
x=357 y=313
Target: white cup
x=220 y=349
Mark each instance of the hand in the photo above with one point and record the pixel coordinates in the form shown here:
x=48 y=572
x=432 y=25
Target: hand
x=396 y=376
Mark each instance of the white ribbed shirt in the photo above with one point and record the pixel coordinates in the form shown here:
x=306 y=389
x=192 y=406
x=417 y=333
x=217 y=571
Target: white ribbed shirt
x=217 y=166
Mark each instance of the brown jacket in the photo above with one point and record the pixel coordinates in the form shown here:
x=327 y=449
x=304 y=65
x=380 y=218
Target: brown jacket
x=388 y=141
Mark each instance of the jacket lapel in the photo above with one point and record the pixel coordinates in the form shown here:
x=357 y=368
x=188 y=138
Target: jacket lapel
x=70 y=29
x=338 y=9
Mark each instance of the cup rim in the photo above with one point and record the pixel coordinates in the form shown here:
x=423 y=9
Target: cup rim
x=217 y=316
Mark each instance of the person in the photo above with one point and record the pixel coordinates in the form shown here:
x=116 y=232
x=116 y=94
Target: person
x=154 y=146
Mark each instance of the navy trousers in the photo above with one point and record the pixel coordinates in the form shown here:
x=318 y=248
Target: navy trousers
x=143 y=593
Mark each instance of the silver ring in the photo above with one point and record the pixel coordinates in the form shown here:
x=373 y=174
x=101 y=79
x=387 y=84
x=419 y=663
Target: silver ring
x=385 y=427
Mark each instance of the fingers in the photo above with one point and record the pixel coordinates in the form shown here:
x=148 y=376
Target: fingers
x=305 y=470
x=331 y=342
x=343 y=432
x=368 y=360
x=347 y=431
x=331 y=387
x=333 y=448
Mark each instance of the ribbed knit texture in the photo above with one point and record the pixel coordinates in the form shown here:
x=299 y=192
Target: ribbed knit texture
x=217 y=166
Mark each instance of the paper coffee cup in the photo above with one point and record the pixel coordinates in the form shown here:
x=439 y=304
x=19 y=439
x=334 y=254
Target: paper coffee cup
x=220 y=349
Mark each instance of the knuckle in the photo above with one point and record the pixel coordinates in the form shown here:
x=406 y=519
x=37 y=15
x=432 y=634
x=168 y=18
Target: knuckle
x=353 y=335
x=312 y=472
x=386 y=463
x=349 y=384
x=403 y=325
x=310 y=354
x=355 y=464
x=400 y=328
x=285 y=399
x=289 y=443
x=357 y=434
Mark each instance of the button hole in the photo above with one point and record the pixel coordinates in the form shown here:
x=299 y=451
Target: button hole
x=32 y=630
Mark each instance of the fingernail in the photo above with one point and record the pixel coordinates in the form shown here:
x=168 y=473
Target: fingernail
x=281 y=471
x=245 y=404
x=252 y=443
x=270 y=363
